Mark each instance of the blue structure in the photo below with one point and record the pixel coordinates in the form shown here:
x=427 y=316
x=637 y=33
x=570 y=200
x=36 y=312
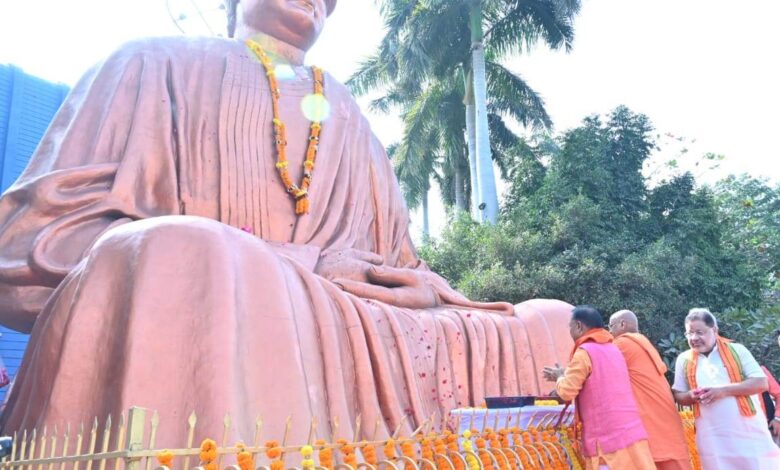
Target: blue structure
x=27 y=106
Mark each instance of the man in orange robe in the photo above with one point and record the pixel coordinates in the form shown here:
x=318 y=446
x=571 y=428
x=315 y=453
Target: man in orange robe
x=651 y=390
x=613 y=435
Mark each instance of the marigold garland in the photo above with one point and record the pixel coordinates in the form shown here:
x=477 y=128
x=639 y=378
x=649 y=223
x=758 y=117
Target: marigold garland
x=452 y=446
x=273 y=452
x=307 y=461
x=165 y=458
x=325 y=454
x=208 y=453
x=687 y=417
x=407 y=449
x=299 y=193
x=468 y=448
x=440 y=449
x=347 y=452
x=426 y=449
x=389 y=449
x=487 y=463
x=369 y=453
x=574 y=458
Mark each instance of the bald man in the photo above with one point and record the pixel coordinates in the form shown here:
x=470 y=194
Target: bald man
x=651 y=390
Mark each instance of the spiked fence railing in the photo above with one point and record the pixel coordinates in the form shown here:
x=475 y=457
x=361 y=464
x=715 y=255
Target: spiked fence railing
x=131 y=444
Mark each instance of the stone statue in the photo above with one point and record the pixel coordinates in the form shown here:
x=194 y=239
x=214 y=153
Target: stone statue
x=156 y=255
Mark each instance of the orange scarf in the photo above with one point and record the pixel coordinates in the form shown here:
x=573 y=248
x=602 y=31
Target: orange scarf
x=733 y=367
x=597 y=335
x=642 y=341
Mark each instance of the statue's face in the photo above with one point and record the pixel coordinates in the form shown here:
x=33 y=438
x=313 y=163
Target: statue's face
x=296 y=22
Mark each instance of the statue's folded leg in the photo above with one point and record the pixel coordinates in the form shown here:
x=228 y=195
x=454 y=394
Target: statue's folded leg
x=176 y=314
x=181 y=314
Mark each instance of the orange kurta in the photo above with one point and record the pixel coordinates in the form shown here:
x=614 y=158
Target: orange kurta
x=654 y=398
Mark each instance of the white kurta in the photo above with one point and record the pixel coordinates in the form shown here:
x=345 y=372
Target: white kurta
x=725 y=438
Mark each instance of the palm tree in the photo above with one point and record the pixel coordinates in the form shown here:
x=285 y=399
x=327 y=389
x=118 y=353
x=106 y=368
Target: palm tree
x=434 y=42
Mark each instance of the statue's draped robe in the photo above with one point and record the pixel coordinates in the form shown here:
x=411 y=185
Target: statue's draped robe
x=122 y=242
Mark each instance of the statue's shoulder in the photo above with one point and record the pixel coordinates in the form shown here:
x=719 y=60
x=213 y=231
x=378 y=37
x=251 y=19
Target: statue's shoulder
x=175 y=49
x=336 y=88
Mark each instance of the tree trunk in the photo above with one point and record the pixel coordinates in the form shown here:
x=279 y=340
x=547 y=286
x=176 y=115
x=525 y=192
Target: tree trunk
x=460 y=202
x=426 y=229
x=471 y=143
x=486 y=178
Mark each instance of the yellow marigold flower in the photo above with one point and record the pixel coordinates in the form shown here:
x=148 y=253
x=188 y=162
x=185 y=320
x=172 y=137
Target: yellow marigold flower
x=165 y=458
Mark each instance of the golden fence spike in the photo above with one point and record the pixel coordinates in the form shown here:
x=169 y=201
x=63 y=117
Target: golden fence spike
x=531 y=420
x=79 y=440
x=120 y=439
x=192 y=419
x=79 y=433
x=376 y=428
x=104 y=444
x=312 y=429
x=225 y=430
x=400 y=425
x=334 y=429
x=53 y=445
x=31 y=453
x=258 y=431
x=13 y=448
x=419 y=428
x=42 y=450
x=155 y=422
x=358 y=420
x=92 y=441
x=65 y=442
x=287 y=428
x=24 y=445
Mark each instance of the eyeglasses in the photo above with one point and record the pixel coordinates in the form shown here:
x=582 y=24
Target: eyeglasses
x=694 y=334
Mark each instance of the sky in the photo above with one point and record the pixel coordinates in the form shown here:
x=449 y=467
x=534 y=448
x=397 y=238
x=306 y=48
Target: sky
x=706 y=71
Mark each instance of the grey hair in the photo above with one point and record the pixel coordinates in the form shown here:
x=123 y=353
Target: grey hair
x=703 y=315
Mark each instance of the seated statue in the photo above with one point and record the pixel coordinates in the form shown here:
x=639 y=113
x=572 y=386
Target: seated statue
x=187 y=238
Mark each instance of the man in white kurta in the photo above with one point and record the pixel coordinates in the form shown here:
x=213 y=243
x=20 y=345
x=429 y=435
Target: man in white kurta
x=726 y=439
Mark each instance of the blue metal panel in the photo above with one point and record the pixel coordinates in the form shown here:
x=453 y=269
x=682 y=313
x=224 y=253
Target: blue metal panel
x=6 y=85
x=27 y=106
x=33 y=105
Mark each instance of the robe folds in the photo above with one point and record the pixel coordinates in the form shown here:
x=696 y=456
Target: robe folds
x=156 y=257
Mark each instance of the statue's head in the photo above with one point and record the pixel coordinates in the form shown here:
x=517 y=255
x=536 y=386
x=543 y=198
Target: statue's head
x=296 y=22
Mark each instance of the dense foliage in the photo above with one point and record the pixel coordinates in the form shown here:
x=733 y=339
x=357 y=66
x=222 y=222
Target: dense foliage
x=581 y=223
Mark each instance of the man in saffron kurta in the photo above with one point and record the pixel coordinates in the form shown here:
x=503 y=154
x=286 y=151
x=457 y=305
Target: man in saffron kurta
x=597 y=378
x=652 y=392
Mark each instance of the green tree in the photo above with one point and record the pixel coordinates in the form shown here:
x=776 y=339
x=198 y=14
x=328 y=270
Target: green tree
x=582 y=224
x=429 y=46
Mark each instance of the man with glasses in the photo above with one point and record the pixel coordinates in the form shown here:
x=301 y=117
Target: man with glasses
x=653 y=396
x=722 y=381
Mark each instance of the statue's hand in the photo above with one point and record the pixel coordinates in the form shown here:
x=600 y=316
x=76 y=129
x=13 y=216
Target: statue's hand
x=401 y=287
x=348 y=264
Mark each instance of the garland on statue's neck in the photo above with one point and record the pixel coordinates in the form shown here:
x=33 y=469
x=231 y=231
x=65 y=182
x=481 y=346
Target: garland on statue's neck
x=299 y=193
